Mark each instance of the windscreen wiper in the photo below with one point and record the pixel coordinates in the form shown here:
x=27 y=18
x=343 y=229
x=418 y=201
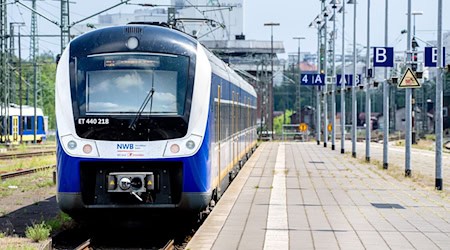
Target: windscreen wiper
x=141 y=109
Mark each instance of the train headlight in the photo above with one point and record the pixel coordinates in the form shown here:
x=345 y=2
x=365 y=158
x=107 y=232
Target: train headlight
x=72 y=145
x=190 y=144
x=78 y=147
x=132 y=43
x=183 y=147
x=87 y=149
x=174 y=148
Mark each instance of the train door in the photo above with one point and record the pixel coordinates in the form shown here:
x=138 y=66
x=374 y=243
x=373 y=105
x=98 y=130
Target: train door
x=233 y=130
x=218 y=124
x=15 y=128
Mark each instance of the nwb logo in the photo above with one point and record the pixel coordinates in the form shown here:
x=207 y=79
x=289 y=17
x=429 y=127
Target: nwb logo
x=125 y=146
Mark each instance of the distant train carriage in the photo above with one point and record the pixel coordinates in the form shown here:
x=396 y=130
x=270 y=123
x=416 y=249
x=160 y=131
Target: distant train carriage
x=12 y=134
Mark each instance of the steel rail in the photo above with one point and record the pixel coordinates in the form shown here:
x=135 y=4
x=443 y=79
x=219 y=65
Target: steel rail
x=26 y=155
x=24 y=172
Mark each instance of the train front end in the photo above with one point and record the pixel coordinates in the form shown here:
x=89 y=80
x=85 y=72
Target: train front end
x=131 y=133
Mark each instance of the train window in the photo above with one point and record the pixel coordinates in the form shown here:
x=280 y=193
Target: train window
x=126 y=84
x=28 y=123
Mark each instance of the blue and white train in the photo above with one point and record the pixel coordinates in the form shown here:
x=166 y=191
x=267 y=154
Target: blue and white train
x=148 y=119
x=13 y=129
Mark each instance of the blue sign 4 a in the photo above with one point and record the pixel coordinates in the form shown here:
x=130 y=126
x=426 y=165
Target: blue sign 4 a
x=312 y=79
x=383 y=57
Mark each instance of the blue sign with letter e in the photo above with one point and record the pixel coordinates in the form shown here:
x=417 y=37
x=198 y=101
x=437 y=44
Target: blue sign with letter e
x=383 y=57
x=312 y=79
x=431 y=56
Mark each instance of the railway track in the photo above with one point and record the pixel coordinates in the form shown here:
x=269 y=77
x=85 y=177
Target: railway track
x=9 y=156
x=24 y=172
x=88 y=245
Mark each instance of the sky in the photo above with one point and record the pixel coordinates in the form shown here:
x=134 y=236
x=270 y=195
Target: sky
x=294 y=17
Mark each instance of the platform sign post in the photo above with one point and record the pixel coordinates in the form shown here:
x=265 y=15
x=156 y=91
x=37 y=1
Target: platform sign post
x=384 y=57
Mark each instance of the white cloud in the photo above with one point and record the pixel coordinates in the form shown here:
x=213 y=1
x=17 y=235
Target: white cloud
x=129 y=81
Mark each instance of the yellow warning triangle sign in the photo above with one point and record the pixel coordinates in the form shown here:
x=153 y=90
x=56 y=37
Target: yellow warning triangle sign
x=409 y=80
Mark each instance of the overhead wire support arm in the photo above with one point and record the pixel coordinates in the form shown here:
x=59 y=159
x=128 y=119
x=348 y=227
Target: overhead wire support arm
x=219 y=9
x=100 y=12
x=37 y=12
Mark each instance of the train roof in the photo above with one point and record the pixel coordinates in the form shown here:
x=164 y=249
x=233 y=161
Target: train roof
x=220 y=68
x=154 y=38
x=14 y=110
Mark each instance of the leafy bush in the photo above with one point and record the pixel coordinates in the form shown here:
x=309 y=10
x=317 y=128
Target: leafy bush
x=38 y=232
x=63 y=220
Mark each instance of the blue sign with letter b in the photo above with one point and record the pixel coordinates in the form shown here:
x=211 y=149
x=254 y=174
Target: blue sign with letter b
x=383 y=57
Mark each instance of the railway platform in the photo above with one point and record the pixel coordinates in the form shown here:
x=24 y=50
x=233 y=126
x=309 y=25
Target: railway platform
x=294 y=195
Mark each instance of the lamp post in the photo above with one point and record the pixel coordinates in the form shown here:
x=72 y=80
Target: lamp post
x=317 y=23
x=368 y=81
x=298 y=38
x=408 y=118
x=414 y=14
x=325 y=72
x=271 y=76
x=439 y=103
x=413 y=92
x=354 y=100
x=334 y=5
x=343 y=82
x=386 y=98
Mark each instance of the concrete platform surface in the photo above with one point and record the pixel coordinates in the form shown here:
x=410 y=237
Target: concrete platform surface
x=297 y=195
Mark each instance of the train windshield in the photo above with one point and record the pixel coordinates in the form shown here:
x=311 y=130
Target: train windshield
x=122 y=84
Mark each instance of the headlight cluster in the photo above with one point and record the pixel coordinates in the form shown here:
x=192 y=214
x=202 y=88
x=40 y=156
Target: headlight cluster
x=183 y=147
x=79 y=147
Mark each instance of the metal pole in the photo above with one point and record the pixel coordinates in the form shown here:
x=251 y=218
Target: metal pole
x=355 y=74
x=271 y=77
x=333 y=85
x=20 y=88
x=368 y=111
x=325 y=94
x=318 y=125
x=34 y=55
x=408 y=115
x=343 y=84
x=439 y=103
x=386 y=97
x=299 y=86
x=271 y=82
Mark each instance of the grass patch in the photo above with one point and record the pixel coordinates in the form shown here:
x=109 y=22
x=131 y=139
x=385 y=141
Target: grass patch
x=26 y=163
x=2 y=235
x=21 y=248
x=63 y=220
x=38 y=232
x=26 y=183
